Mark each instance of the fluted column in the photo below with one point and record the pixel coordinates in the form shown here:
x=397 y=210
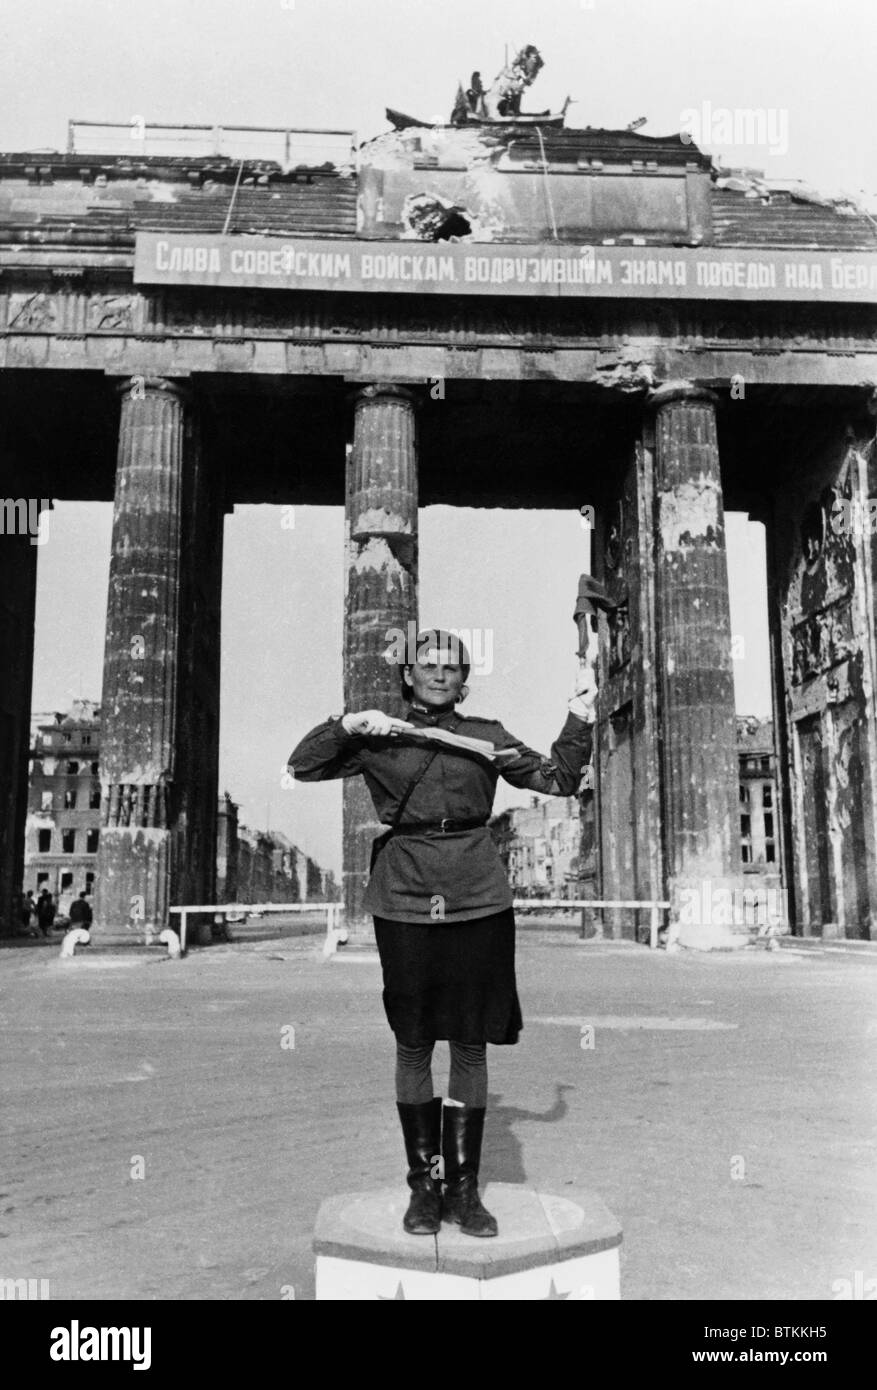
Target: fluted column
x=380 y=590
x=141 y=665
x=18 y=578
x=697 y=716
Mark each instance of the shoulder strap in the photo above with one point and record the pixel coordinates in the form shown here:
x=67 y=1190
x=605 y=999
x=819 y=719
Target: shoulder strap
x=397 y=819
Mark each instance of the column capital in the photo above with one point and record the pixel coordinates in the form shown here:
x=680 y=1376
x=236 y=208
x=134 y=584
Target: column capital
x=672 y=392
x=375 y=391
x=137 y=387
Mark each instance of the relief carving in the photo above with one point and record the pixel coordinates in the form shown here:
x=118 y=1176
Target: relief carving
x=35 y=312
x=822 y=641
x=112 y=311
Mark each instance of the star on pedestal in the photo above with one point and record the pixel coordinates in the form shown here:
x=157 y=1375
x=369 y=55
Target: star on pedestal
x=553 y=1296
x=399 y=1294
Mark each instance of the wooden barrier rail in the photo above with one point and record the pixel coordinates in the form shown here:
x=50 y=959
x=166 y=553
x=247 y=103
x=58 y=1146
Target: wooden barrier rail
x=654 y=905
x=332 y=910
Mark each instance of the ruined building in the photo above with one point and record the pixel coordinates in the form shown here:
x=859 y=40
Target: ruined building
x=64 y=805
x=65 y=813
x=760 y=820
x=544 y=846
x=540 y=846
x=494 y=315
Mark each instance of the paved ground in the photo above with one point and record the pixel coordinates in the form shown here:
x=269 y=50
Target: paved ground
x=725 y=1113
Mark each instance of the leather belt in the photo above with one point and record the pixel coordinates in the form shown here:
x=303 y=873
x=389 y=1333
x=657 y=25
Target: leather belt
x=443 y=827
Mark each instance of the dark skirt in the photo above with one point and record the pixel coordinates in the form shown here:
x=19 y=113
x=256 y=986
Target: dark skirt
x=451 y=980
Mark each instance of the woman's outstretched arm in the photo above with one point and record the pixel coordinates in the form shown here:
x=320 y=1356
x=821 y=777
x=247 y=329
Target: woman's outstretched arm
x=327 y=751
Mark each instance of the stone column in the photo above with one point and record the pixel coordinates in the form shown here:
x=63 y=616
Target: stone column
x=18 y=578
x=696 y=684
x=149 y=636
x=380 y=591
x=196 y=778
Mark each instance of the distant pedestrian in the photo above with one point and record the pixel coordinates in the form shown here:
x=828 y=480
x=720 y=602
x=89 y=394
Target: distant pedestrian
x=45 y=910
x=81 y=914
x=28 y=912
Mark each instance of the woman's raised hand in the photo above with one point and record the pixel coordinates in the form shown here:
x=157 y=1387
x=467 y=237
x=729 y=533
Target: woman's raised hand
x=584 y=695
x=374 y=723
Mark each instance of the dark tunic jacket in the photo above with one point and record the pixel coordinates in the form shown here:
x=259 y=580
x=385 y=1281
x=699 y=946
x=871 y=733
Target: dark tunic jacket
x=430 y=876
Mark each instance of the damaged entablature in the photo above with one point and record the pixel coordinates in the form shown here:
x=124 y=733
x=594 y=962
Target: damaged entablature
x=429 y=217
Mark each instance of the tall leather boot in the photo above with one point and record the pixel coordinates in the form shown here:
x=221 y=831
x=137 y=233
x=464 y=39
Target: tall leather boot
x=462 y=1133
x=421 y=1127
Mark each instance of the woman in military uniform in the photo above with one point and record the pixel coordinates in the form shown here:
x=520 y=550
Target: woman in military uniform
x=442 y=905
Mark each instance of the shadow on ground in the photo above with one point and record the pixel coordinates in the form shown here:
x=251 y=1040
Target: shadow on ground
x=502 y=1148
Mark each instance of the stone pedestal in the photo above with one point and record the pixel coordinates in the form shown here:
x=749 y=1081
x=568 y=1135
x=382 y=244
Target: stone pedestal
x=696 y=684
x=380 y=593
x=549 y=1247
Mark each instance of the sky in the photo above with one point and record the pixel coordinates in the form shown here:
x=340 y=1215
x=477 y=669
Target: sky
x=338 y=63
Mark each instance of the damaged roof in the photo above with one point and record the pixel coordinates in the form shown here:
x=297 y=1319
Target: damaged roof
x=754 y=735
x=783 y=219
x=103 y=201
x=570 y=146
